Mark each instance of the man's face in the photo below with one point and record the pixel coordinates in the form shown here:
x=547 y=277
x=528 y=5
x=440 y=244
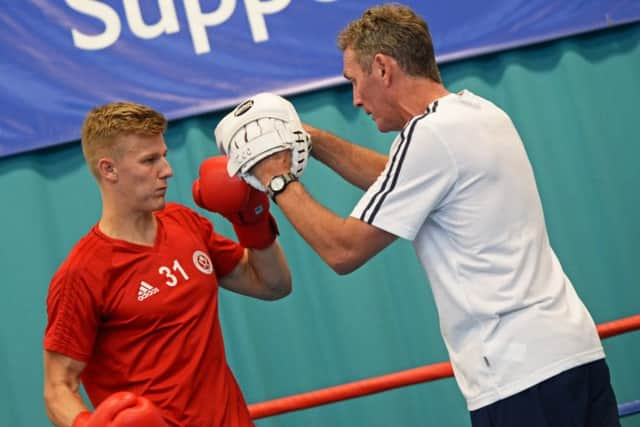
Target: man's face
x=370 y=92
x=142 y=172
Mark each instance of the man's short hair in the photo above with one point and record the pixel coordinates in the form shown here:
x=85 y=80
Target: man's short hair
x=394 y=30
x=104 y=124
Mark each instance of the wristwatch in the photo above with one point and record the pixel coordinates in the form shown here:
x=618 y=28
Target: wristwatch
x=278 y=183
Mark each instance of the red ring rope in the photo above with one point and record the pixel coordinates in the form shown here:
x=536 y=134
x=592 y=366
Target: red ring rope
x=398 y=379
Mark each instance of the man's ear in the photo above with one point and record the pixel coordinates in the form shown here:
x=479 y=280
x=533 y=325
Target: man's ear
x=382 y=67
x=107 y=169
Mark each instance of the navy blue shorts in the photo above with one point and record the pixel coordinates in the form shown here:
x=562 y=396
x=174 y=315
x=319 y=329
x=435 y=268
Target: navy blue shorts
x=579 y=397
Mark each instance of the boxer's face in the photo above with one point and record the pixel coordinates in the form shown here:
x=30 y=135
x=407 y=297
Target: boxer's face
x=142 y=171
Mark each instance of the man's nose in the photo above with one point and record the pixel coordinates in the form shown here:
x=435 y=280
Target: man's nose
x=167 y=171
x=357 y=102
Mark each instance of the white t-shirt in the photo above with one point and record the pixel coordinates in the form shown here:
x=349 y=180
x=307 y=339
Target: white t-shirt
x=458 y=184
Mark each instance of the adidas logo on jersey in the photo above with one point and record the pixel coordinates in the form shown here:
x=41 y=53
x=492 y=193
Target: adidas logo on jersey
x=146 y=290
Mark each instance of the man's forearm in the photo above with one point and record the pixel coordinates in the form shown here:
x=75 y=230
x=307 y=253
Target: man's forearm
x=63 y=405
x=343 y=243
x=323 y=230
x=358 y=165
x=270 y=268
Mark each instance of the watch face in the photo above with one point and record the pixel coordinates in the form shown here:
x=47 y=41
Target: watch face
x=277 y=183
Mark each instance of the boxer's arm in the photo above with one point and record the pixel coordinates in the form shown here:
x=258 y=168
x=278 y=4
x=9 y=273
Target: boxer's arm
x=62 y=397
x=261 y=273
x=358 y=165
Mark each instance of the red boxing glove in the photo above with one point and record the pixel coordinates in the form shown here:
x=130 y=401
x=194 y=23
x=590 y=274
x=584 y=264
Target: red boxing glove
x=122 y=409
x=244 y=206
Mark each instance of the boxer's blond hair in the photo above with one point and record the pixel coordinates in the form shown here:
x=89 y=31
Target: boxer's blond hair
x=394 y=30
x=104 y=124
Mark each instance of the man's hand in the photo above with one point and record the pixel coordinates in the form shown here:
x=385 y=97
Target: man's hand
x=276 y=164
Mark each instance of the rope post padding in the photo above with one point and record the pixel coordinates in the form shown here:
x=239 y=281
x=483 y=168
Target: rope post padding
x=394 y=380
x=628 y=408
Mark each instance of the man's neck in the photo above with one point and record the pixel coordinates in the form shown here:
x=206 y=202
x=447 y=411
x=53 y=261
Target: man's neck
x=139 y=227
x=418 y=94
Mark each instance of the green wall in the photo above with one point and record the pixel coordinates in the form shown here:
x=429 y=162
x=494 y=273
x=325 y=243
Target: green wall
x=574 y=102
